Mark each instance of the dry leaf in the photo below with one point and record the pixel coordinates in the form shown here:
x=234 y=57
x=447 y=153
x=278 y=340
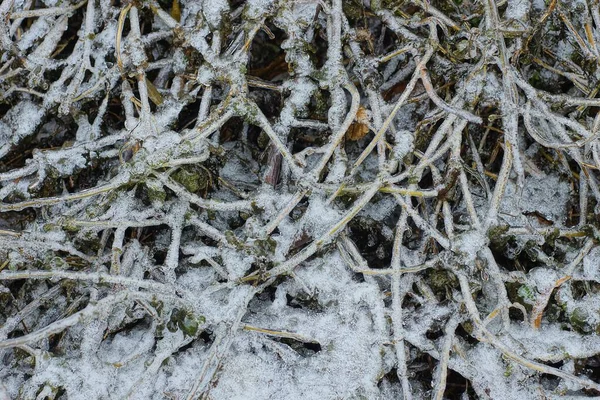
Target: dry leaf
x=176 y=11
x=362 y=115
x=153 y=93
x=360 y=128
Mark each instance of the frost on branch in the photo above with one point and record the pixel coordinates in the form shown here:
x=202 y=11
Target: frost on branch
x=299 y=199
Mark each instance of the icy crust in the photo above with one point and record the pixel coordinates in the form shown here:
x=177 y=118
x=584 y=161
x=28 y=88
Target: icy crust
x=348 y=363
x=19 y=123
x=347 y=322
x=546 y=197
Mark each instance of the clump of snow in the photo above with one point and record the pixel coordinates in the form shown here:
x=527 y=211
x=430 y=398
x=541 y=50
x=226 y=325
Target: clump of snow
x=38 y=29
x=404 y=144
x=591 y=264
x=20 y=121
x=320 y=216
x=381 y=209
x=547 y=195
x=240 y=169
x=543 y=278
x=256 y=8
x=351 y=339
x=518 y=10
x=214 y=11
x=468 y=244
x=65 y=162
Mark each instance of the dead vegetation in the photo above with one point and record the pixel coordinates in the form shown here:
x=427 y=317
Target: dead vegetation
x=299 y=199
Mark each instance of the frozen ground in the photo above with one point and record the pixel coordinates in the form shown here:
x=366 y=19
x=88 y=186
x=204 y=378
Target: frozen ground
x=301 y=199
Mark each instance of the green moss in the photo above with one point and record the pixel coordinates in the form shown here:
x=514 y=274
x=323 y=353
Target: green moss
x=68 y=226
x=526 y=294
x=468 y=327
x=211 y=215
x=256 y=208
x=192 y=179
x=263 y=140
x=509 y=369
x=579 y=320
x=550 y=238
x=265 y=247
x=233 y=240
x=248 y=110
x=185 y=321
x=413 y=180
x=353 y=10
x=442 y=282
x=156 y=193
x=497 y=236
x=535 y=79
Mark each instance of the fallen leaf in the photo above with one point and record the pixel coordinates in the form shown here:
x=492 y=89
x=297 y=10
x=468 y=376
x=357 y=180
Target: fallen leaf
x=360 y=128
